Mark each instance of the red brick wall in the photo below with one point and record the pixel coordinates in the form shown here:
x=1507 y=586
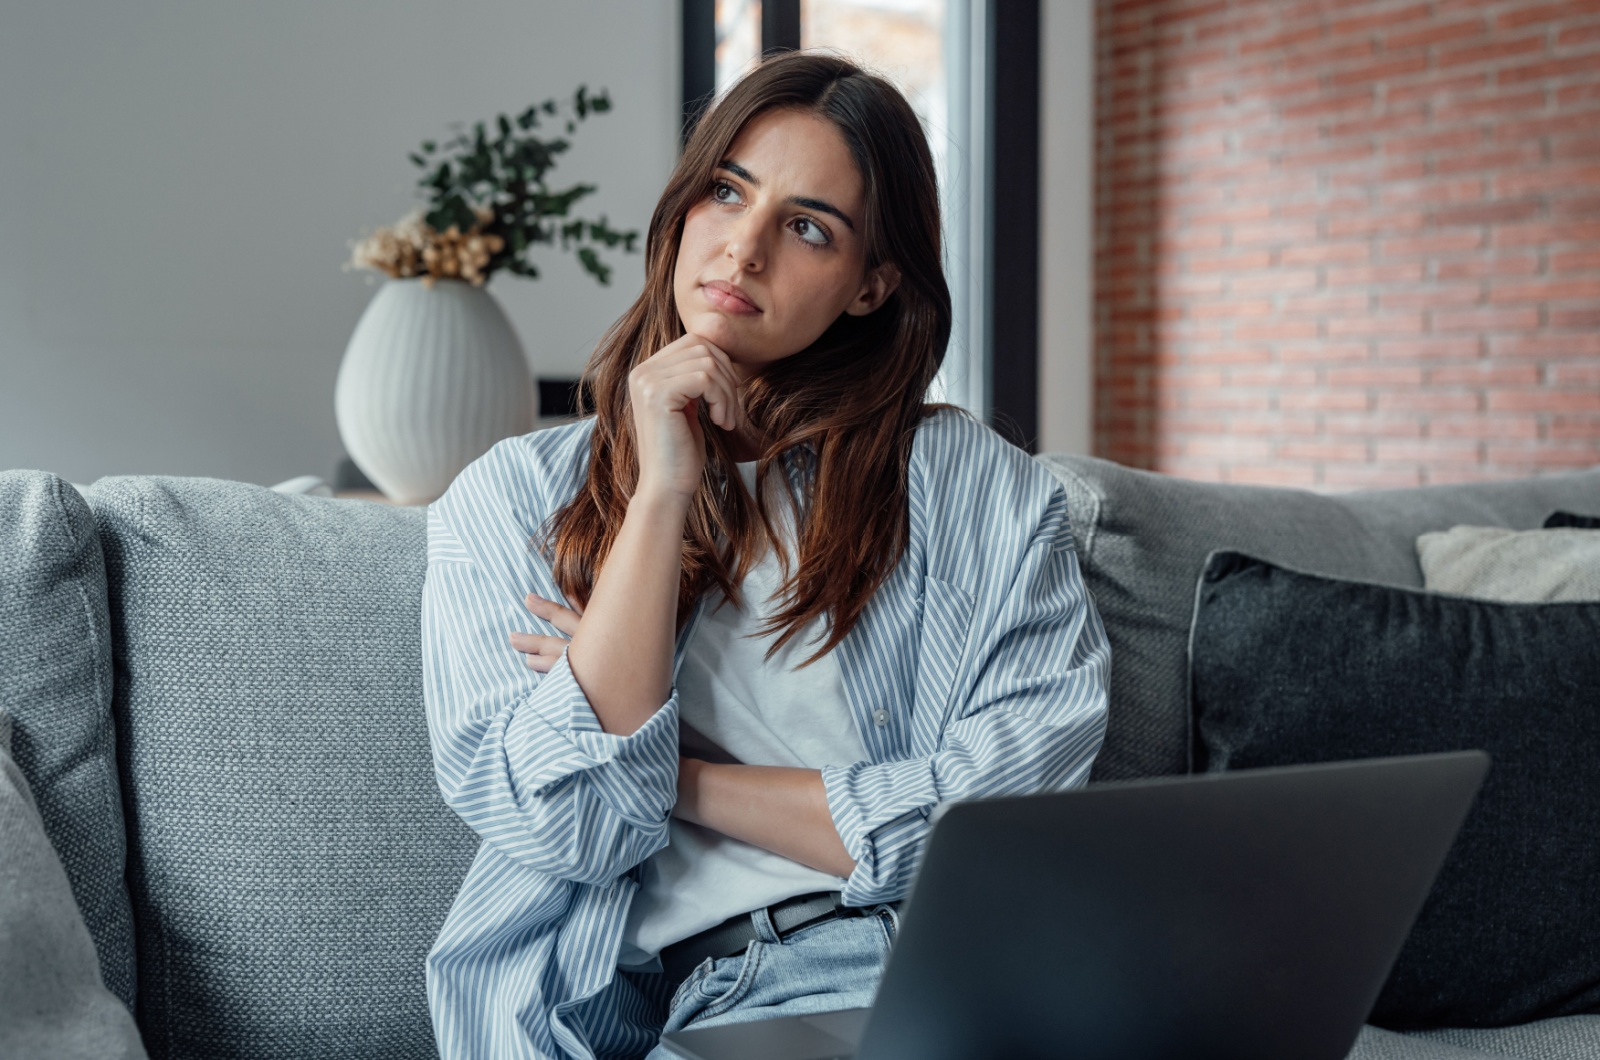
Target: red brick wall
x=1348 y=244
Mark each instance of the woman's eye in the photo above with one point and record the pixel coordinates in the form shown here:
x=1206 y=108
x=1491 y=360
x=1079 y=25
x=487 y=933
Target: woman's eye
x=718 y=187
x=811 y=232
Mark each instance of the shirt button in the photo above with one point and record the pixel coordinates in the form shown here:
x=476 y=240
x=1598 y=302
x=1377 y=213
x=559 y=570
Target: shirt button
x=880 y=717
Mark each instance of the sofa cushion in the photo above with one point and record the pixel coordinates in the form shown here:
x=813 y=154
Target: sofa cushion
x=291 y=860
x=52 y=1000
x=1567 y=1038
x=1513 y=566
x=1143 y=538
x=1292 y=667
x=55 y=683
x=1375 y=1043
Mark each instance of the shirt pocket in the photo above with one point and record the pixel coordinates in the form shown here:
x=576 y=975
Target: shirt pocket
x=941 y=655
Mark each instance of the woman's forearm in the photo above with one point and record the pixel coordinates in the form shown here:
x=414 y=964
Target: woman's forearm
x=621 y=653
x=778 y=808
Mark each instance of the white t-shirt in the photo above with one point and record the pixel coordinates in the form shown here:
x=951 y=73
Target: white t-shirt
x=761 y=713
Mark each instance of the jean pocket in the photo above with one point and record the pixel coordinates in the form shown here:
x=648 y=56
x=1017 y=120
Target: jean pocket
x=716 y=985
x=889 y=920
x=690 y=981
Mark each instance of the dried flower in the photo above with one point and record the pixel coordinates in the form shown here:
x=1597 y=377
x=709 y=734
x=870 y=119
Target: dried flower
x=490 y=205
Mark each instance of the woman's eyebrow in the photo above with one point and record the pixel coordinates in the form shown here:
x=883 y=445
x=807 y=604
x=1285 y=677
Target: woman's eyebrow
x=811 y=204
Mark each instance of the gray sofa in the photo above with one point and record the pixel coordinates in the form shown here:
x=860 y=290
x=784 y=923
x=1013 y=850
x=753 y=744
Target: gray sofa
x=215 y=699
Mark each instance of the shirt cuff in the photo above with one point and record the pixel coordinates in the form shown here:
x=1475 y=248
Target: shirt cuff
x=555 y=734
x=865 y=796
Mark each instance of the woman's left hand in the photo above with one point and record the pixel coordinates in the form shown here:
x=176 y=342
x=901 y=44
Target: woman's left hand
x=541 y=652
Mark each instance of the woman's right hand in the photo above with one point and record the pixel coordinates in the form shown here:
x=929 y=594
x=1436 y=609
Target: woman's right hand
x=665 y=391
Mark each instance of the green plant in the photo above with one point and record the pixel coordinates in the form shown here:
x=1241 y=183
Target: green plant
x=489 y=203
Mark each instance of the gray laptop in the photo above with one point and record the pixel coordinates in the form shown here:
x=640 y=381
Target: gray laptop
x=1251 y=914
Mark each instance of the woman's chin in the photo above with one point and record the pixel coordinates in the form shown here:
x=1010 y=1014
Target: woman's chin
x=721 y=330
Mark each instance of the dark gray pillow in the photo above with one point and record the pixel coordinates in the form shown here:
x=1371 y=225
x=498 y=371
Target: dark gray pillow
x=291 y=859
x=1143 y=538
x=1290 y=667
x=55 y=681
x=1573 y=520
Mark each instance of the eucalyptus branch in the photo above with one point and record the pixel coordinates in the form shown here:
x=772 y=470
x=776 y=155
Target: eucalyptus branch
x=489 y=203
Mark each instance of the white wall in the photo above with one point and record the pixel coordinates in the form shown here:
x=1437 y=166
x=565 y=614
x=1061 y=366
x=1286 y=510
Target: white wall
x=1066 y=208
x=182 y=180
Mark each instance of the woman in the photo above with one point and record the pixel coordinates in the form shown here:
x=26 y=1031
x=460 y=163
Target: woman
x=697 y=813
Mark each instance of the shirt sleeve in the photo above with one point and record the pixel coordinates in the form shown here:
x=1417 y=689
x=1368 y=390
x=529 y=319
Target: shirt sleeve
x=1030 y=718
x=520 y=756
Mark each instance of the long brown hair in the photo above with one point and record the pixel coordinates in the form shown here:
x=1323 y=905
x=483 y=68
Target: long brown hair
x=851 y=400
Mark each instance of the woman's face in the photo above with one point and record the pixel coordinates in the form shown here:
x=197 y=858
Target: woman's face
x=774 y=252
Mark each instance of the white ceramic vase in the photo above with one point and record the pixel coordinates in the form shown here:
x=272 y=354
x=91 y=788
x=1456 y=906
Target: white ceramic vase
x=431 y=379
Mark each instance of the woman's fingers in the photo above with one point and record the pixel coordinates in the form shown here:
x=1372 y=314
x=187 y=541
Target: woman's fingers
x=696 y=367
x=665 y=390
x=702 y=377
x=718 y=395
x=727 y=363
x=538 y=652
x=730 y=379
x=719 y=391
x=538 y=643
x=689 y=341
x=563 y=618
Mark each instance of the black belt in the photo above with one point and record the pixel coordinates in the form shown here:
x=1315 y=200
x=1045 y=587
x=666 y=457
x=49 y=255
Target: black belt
x=735 y=933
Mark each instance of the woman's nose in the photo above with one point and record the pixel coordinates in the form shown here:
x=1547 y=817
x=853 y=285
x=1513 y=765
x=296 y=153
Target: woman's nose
x=747 y=244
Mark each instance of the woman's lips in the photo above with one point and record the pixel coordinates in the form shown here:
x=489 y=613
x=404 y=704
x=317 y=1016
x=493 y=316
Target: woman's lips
x=724 y=297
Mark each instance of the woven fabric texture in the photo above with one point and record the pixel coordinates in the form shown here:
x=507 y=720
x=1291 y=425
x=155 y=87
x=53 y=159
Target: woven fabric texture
x=1143 y=539
x=52 y=1001
x=1514 y=566
x=1375 y=1043
x=55 y=683
x=290 y=858
x=1567 y=1038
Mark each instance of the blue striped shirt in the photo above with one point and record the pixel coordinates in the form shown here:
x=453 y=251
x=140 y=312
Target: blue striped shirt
x=979 y=668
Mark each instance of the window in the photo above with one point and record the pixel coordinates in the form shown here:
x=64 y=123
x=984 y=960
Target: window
x=738 y=39
x=920 y=45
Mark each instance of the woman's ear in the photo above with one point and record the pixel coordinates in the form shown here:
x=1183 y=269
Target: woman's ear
x=875 y=290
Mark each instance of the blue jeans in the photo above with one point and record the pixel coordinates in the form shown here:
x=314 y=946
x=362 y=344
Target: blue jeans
x=832 y=965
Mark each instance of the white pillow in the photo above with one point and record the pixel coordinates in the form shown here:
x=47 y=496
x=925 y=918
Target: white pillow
x=1512 y=566
x=308 y=484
